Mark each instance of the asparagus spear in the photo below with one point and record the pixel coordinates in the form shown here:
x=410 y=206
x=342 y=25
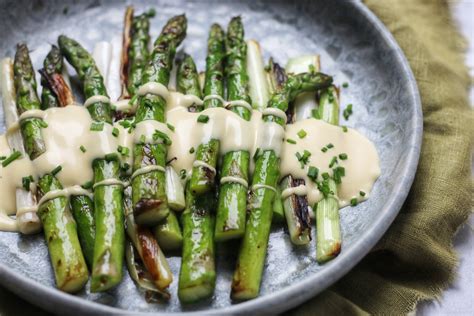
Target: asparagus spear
x=70 y=269
x=108 y=199
x=202 y=178
x=149 y=201
x=27 y=99
x=197 y=277
x=135 y=53
x=27 y=219
x=248 y=274
x=328 y=242
x=231 y=209
x=296 y=206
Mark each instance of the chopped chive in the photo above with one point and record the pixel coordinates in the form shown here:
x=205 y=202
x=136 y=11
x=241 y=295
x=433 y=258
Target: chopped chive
x=3 y=157
x=343 y=156
x=325 y=175
x=333 y=161
x=347 y=112
x=171 y=127
x=324 y=188
x=330 y=145
x=313 y=173
x=87 y=185
x=312 y=68
x=338 y=173
x=191 y=150
x=26 y=181
x=344 y=129
x=115 y=132
x=182 y=174
x=303 y=159
x=11 y=158
x=111 y=157
x=97 y=126
x=142 y=139
x=362 y=193
x=354 y=201
x=43 y=124
x=124 y=151
x=324 y=149
x=83 y=149
x=290 y=141
x=302 y=133
x=125 y=123
x=56 y=170
x=345 y=85
x=203 y=118
x=160 y=135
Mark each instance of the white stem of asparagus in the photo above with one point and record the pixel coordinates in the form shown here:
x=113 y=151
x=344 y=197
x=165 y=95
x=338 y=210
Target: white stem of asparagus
x=258 y=85
x=174 y=190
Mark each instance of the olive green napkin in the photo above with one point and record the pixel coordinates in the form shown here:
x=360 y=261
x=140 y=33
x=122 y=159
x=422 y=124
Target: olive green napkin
x=415 y=259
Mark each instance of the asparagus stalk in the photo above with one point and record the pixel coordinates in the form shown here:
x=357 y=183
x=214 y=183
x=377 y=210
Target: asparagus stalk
x=27 y=222
x=231 y=209
x=328 y=243
x=70 y=269
x=168 y=233
x=197 y=277
x=203 y=178
x=149 y=201
x=108 y=199
x=248 y=274
x=27 y=99
x=135 y=53
x=296 y=206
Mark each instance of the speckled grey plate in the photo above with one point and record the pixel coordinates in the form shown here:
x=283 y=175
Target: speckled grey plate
x=354 y=46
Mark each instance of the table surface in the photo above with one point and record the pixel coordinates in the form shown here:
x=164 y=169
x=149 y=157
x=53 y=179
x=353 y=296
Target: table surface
x=457 y=300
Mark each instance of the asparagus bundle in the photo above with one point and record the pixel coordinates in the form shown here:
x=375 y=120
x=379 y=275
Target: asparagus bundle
x=197 y=276
x=108 y=189
x=231 y=209
x=68 y=262
x=247 y=276
x=149 y=201
x=328 y=242
x=203 y=175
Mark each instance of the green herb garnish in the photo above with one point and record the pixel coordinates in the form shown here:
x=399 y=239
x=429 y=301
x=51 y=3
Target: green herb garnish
x=362 y=193
x=302 y=133
x=347 y=112
x=290 y=141
x=191 y=150
x=333 y=161
x=14 y=156
x=313 y=173
x=171 y=127
x=56 y=170
x=343 y=156
x=160 y=135
x=203 y=118
x=83 y=149
x=88 y=185
x=115 y=132
x=26 y=181
x=97 y=126
x=354 y=201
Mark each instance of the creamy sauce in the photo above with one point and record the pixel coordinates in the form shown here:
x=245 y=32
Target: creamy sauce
x=361 y=166
x=69 y=129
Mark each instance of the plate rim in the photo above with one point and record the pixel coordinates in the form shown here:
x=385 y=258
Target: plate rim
x=56 y=301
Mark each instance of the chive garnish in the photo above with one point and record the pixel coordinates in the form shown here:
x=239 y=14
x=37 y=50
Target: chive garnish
x=97 y=126
x=302 y=133
x=343 y=156
x=354 y=201
x=338 y=173
x=83 y=149
x=182 y=174
x=330 y=145
x=56 y=170
x=203 y=118
x=14 y=156
x=125 y=166
x=362 y=193
x=325 y=175
x=290 y=141
x=43 y=124
x=124 y=151
x=333 y=161
x=324 y=149
x=345 y=85
x=303 y=158
x=347 y=111
x=26 y=181
x=115 y=132
x=3 y=157
x=191 y=150
x=160 y=135
x=315 y=114
x=313 y=173
x=344 y=129
x=111 y=157
x=171 y=127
